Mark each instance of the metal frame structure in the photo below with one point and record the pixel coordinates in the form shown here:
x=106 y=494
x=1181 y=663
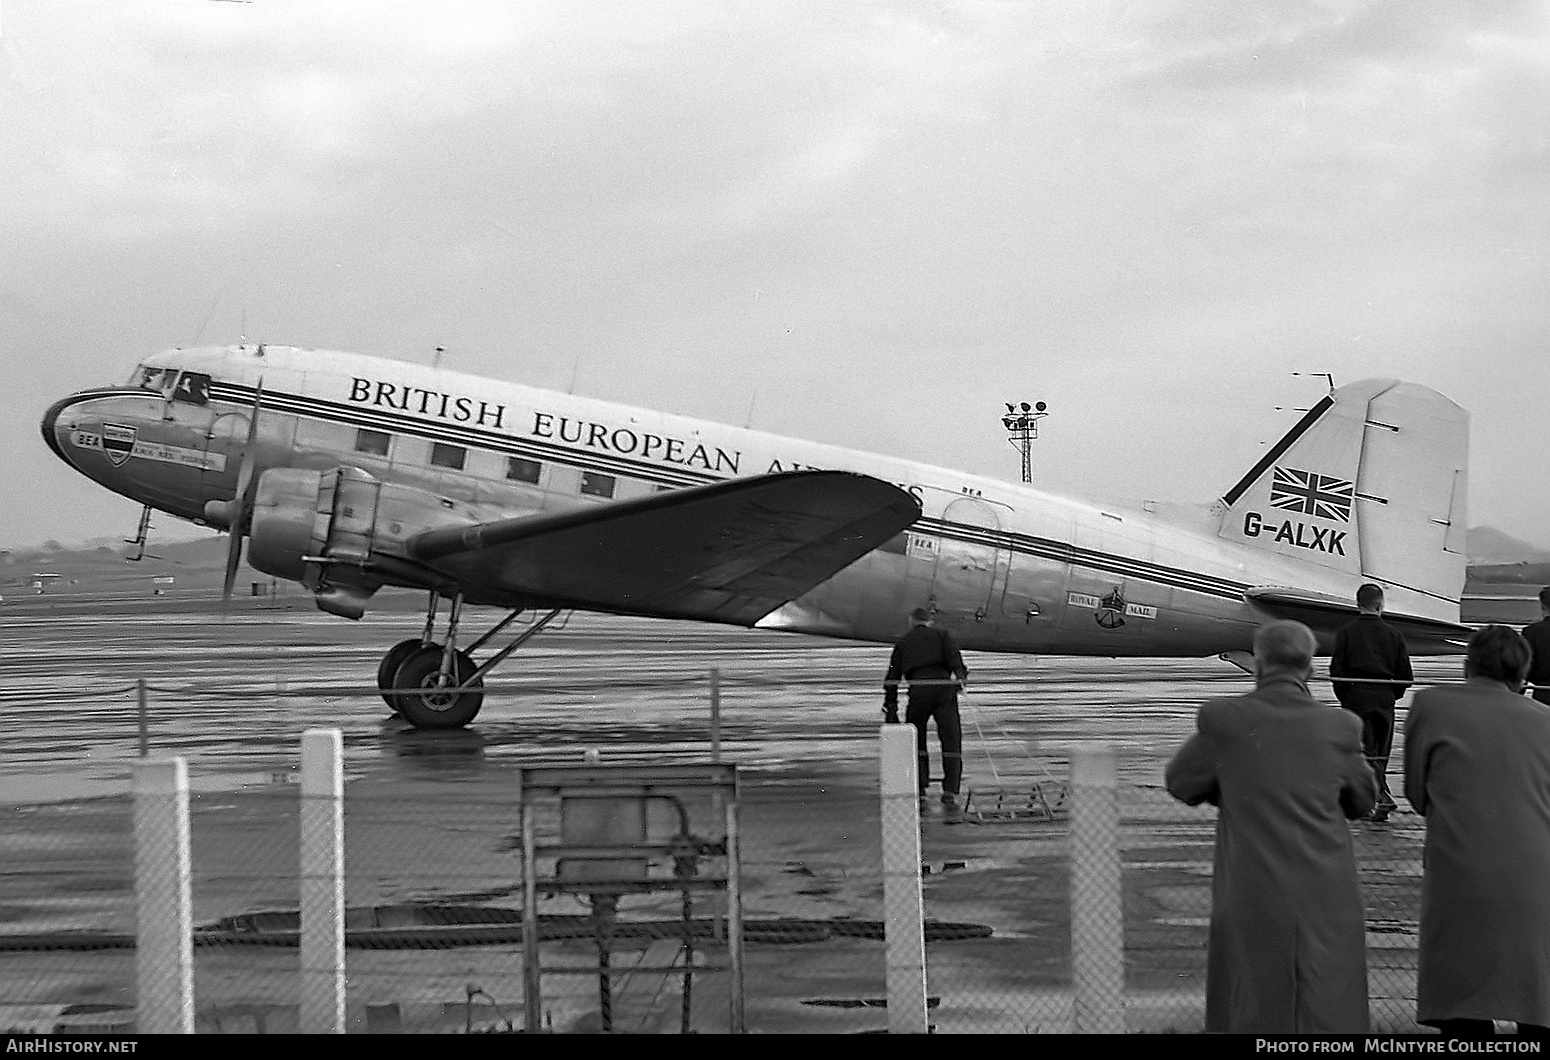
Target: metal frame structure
x=598 y=840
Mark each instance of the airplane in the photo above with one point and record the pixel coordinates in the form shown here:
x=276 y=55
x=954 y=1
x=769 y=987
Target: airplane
x=347 y=473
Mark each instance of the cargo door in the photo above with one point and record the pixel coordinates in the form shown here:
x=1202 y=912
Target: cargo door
x=968 y=583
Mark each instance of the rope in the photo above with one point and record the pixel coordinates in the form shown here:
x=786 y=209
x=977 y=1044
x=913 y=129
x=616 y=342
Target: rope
x=984 y=743
x=24 y=694
x=241 y=690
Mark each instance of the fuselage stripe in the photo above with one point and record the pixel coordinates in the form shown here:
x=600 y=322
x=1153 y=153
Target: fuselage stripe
x=472 y=436
x=1068 y=553
x=1042 y=548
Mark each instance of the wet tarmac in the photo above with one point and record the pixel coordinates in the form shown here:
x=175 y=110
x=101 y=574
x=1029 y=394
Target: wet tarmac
x=431 y=818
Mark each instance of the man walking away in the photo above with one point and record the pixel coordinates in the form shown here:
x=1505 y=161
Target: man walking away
x=928 y=654
x=1538 y=637
x=1371 y=648
x=1287 y=946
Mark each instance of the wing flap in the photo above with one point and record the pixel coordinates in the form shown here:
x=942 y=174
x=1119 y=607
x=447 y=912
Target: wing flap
x=731 y=551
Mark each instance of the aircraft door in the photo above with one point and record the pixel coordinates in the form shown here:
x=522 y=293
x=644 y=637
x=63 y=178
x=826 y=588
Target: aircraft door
x=968 y=581
x=225 y=442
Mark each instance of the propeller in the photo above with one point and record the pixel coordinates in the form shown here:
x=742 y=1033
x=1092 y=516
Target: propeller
x=239 y=510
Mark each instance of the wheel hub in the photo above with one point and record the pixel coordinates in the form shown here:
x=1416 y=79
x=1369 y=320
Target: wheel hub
x=438 y=692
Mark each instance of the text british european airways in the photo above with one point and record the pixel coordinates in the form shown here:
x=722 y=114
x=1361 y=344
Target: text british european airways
x=1302 y=535
x=601 y=436
x=463 y=409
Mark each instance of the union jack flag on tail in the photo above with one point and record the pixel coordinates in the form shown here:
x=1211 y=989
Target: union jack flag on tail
x=1310 y=493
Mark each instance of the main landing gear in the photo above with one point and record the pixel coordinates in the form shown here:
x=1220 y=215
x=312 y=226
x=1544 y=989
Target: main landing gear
x=437 y=686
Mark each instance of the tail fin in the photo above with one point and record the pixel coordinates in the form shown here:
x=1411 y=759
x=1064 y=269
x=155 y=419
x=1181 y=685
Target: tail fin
x=1372 y=484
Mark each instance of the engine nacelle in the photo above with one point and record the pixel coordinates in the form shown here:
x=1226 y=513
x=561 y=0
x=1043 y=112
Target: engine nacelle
x=341 y=533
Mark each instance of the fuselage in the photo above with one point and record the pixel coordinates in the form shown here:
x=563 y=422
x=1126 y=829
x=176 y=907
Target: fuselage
x=1008 y=568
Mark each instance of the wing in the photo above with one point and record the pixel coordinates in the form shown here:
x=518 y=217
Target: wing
x=728 y=552
x=1326 y=614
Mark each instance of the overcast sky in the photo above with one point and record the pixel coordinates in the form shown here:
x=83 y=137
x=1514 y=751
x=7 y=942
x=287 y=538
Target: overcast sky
x=866 y=223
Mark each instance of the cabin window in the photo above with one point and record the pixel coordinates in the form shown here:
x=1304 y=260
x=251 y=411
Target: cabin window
x=449 y=456
x=521 y=469
x=373 y=442
x=595 y=485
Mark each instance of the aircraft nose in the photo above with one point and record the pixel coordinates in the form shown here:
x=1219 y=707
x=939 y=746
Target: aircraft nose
x=51 y=426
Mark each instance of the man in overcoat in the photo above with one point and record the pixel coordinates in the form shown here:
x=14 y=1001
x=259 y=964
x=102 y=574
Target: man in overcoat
x=1287 y=947
x=1477 y=767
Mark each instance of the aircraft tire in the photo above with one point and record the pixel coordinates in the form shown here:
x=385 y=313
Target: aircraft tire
x=388 y=669
x=430 y=708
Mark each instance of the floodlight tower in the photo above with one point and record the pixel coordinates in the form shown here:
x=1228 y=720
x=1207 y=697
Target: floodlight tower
x=1022 y=424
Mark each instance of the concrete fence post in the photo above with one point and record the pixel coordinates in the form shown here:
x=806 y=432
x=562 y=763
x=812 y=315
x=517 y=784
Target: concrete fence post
x=164 y=919
x=1097 y=910
x=322 y=883
x=903 y=907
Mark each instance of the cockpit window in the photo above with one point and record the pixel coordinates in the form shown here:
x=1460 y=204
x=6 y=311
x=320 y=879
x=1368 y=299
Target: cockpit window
x=158 y=379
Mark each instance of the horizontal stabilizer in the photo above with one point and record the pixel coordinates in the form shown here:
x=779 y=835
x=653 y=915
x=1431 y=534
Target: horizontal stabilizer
x=1326 y=614
x=730 y=552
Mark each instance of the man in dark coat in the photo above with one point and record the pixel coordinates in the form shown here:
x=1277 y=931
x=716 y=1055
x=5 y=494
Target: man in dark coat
x=1538 y=637
x=929 y=662
x=1287 y=950
x=1477 y=767
x=1370 y=648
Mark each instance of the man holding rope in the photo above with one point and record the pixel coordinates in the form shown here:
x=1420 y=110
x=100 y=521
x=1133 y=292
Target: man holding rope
x=929 y=662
